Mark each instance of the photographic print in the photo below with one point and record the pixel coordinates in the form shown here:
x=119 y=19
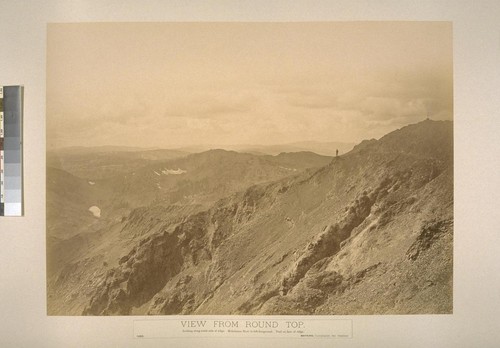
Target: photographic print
x=249 y=168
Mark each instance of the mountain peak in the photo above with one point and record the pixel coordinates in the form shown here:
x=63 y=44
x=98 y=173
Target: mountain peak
x=427 y=138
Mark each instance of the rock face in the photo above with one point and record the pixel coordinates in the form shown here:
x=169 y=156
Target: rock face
x=371 y=232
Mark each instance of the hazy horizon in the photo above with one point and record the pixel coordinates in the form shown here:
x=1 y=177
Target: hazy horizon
x=174 y=85
x=174 y=147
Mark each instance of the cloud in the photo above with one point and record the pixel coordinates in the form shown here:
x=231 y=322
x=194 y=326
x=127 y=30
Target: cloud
x=277 y=83
x=382 y=108
x=217 y=104
x=312 y=100
x=376 y=96
x=341 y=107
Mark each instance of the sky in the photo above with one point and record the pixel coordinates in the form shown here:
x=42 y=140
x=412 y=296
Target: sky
x=171 y=85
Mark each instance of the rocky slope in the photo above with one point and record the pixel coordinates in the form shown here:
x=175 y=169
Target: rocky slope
x=369 y=233
x=136 y=204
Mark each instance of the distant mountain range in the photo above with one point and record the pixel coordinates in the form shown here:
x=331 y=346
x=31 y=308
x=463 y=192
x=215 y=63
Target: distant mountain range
x=321 y=148
x=223 y=232
x=106 y=161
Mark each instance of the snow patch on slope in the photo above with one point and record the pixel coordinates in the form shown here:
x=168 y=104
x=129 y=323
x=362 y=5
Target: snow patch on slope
x=95 y=210
x=173 y=171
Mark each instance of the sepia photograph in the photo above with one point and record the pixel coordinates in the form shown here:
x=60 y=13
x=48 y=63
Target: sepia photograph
x=249 y=168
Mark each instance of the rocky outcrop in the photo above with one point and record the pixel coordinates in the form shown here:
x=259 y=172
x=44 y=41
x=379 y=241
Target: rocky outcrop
x=328 y=242
x=146 y=268
x=429 y=233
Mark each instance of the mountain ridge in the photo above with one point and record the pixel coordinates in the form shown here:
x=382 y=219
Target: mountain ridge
x=301 y=244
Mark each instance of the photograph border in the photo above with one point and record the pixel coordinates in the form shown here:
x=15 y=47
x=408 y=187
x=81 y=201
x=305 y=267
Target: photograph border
x=476 y=52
